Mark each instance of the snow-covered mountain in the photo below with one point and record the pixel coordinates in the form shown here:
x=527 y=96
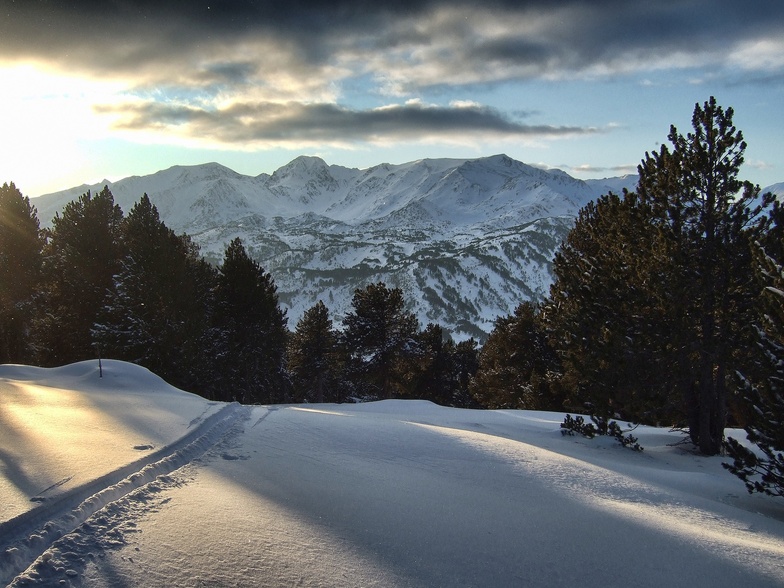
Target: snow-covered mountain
x=466 y=239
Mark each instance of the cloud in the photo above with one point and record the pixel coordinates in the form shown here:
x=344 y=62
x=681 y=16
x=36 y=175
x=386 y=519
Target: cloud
x=308 y=71
x=595 y=169
x=407 y=44
x=297 y=124
x=756 y=164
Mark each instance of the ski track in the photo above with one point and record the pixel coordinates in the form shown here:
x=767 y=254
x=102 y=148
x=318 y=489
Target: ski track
x=48 y=544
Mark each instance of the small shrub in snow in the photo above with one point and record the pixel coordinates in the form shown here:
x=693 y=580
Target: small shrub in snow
x=599 y=426
x=572 y=425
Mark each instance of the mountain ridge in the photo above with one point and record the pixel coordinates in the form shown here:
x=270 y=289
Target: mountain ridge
x=466 y=240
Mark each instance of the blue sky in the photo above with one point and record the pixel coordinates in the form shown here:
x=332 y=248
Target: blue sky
x=107 y=89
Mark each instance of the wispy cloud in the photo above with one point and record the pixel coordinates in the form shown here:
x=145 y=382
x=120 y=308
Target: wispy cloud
x=595 y=169
x=297 y=124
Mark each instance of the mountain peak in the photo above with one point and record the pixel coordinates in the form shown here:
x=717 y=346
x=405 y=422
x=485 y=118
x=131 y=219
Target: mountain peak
x=501 y=159
x=306 y=163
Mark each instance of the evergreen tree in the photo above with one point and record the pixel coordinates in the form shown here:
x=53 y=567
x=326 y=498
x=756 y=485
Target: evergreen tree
x=249 y=331
x=21 y=242
x=314 y=357
x=764 y=389
x=604 y=315
x=706 y=215
x=516 y=365
x=380 y=341
x=435 y=373
x=653 y=291
x=158 y=311
x=466 y=359
x=80 y=261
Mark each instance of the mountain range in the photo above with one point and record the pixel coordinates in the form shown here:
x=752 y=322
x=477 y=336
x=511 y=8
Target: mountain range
x=466 y=240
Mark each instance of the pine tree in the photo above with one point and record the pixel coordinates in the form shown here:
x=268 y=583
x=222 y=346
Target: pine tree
x=466 y=359
x=763 y=471
x=380 y=341
x=157 y=314
x=435 y=373
x=706 y=215
x=80 y=261
x=516 y=364
x=21 y=243
x=314 y=357
x=604 y=316
x=249 y=331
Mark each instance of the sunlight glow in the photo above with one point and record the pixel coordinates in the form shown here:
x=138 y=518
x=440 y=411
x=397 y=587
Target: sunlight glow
x=320 y=411
x=44 y=116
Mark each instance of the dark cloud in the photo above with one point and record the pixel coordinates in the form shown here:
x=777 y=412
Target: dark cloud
x=569 y=34
x=327 y=123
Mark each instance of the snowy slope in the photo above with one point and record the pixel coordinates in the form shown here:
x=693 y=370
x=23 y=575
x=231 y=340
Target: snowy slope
x=122 y=417
x=777 y=189
x=393 y=493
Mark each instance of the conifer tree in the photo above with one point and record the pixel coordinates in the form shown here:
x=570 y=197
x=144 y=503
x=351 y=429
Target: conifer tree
x=380 y=341
x=763 y=471
x=435 y=373
x=249 y=331
x=466 y=359
x=706 y=215
x=21 y=243
x=516 y=364
x=314 y=358
x=80 y=261
x=158 y=311
x=604 y=316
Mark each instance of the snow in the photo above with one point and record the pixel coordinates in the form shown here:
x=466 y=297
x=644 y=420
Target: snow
x=392 y=493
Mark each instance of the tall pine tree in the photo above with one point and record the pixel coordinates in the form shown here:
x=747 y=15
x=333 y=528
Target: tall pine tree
x=157 y=314
x=249 y=332
x=604 y=316
x=314 y=357
x=21 y=242
x=706 y=215
x=380 y=341
x=80 y=261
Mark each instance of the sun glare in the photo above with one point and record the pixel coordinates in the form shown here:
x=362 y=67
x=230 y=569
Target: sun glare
x=44 y=116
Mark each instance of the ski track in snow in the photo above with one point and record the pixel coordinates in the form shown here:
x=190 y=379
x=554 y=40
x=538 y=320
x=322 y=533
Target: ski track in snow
x=96 y=515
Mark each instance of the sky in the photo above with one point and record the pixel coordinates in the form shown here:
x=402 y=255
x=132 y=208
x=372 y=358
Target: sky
x=105 y=89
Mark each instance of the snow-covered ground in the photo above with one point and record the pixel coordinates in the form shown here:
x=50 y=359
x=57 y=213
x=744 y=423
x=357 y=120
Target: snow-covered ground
x=124 y=481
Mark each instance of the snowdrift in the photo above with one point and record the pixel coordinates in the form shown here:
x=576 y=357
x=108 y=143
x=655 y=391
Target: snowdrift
x=125 y=481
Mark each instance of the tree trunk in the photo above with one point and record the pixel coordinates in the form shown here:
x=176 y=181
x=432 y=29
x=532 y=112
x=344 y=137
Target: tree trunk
x=320 y=386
